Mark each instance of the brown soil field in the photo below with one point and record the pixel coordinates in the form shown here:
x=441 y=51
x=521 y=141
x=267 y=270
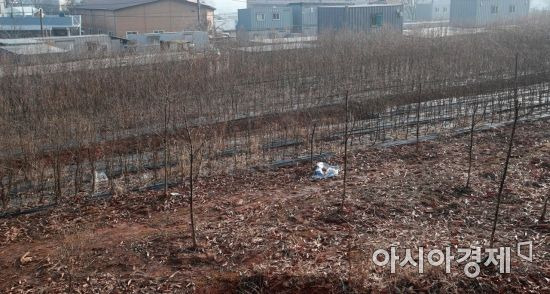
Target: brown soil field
x=278 y=231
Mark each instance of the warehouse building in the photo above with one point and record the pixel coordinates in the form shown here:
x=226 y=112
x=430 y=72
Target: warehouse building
x=304 y=16
x=479 y=13
x=365 y=18
x=125 y=17
x=32 y=49
x=288 y=19
x=33 y=26
x=264 y=22
x=432 y=10
x=256 y=3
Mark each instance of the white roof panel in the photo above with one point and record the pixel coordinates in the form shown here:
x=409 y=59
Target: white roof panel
x=33 y=49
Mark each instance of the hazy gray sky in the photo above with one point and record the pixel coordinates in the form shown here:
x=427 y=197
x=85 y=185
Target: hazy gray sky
x=540 y=4
x=224 y=6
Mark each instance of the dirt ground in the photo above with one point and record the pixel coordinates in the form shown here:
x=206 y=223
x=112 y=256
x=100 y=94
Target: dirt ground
x=279 y=231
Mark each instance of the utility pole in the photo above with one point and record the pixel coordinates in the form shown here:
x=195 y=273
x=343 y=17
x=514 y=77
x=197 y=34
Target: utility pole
x=41 y=22
x=199 y=14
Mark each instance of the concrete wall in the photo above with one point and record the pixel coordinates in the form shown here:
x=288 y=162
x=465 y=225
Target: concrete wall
x=198 y=40
x=82 y=44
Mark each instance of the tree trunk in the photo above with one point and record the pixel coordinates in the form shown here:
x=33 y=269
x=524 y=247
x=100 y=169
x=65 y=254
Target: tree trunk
x=191 y=215
x=57 y=179
x=542 y=218
x=508 y=155
x=471 y=147
x=93 y=171
x=41 y=184
x=77 y=176
x=418 y=105
x=504 y=173
x=3 y=194
x=155 y=165
x=311 y=142
x=166 y=150
x=345 y=156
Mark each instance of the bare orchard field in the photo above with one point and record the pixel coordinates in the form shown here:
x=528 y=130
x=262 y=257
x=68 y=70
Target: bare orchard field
x=218 y=135
x=276 y=230
x=234 y=110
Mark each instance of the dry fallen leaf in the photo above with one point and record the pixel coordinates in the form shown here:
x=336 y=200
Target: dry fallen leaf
x=25 y=258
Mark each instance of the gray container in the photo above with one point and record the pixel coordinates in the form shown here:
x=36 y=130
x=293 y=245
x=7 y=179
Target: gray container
x=265 y=18
x=479 y=13
x=366 y=18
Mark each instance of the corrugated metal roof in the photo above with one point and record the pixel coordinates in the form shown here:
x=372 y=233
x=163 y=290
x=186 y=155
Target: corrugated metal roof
x=120 y=4
x=40 y=40
x=364 y=5
x=22 y=41
x=32 y=49
x=26 y=23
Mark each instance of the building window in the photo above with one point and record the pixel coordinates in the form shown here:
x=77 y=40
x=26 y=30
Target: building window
x=494 y=9
x=158 y=31
x=437 y=9
x=376 y=20
x=276 y=16
x=512 y=8
x=260 y=17
x=131 y=33
x=444 y=9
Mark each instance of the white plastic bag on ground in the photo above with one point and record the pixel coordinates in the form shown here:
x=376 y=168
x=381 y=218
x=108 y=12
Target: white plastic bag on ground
x=101 y=177
x=101 y=181
x=325 y=171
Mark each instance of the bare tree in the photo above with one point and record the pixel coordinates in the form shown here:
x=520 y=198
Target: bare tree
x=166 y=147
x=418 y=106
x=346 y=134
x=377 y=68
x=471 y=147
x=542 y=218
x=312 y=143
x=195 y=141
x=3 y=194
x=311 y=123
x=508 y=155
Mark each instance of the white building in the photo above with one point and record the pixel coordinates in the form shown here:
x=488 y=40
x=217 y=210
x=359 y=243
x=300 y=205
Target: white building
x=50 y=6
